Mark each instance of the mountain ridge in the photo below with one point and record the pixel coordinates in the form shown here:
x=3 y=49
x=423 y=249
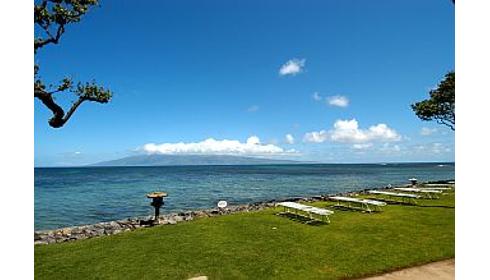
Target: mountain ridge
x=173 y=160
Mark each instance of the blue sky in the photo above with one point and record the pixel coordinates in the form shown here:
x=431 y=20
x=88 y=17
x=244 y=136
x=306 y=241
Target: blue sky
x=336 y=76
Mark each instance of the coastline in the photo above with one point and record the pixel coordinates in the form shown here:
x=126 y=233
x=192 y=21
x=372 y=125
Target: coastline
x=72 y=197
x=72 y=233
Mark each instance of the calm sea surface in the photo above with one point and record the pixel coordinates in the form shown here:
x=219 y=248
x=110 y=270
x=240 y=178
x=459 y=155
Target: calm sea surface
x=76 y=196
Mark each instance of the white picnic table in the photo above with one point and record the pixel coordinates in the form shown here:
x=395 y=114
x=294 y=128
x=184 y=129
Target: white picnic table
x=310 y=211
x=435 y=188
x=439 y=185
x=404 y=196
x=429 y=193
x=364 y=203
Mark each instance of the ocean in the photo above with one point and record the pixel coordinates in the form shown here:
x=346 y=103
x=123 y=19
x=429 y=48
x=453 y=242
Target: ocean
x=86 y=195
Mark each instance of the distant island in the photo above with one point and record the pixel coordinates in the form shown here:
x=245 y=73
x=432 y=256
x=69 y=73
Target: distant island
x=164 y=160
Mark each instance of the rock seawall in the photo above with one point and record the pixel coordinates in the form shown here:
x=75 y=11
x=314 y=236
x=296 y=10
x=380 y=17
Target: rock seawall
x=115 y=227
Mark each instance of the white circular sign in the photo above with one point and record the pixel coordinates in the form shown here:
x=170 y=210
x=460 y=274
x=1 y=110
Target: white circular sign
x=222 y=204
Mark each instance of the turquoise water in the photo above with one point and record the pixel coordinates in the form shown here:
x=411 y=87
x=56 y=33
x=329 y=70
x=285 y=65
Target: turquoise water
x=76 y=196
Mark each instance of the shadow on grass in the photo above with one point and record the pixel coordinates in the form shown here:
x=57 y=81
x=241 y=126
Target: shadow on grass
x=436 y=206
x=301 y=219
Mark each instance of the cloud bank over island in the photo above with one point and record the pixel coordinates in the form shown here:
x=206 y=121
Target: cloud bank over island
x=211 y=146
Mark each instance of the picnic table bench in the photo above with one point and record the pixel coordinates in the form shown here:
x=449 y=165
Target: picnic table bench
x=306 y=211
x=405 y=197
x=364 y=204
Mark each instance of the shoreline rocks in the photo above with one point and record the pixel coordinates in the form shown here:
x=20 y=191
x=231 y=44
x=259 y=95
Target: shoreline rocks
x=115 y=227
x=129 y=224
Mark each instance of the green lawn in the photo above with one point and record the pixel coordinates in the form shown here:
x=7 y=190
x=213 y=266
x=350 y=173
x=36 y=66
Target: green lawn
x=246 y=246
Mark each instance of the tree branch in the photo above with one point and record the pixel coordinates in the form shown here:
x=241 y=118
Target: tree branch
x=39 y=43
x=59 y=117
x=72 y=109
x=51 y=17
x=449 y=124
x=47 y=99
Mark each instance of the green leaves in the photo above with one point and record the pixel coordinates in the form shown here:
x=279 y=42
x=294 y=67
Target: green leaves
x=441 y=104
x=51 y=16
x=93 y=92
x=66 y=83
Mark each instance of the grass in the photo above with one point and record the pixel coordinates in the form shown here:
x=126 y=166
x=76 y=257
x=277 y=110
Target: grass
x=262 y=245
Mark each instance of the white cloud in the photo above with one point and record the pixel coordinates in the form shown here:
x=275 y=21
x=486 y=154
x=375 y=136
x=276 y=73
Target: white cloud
x=387 y=148
x=438 y=148
x=316 y=136
x=252 y=146
x=338 y=100
x=292 y=67
x=253 y=108
x=335 y=100
x=383 y=132
x=362 y=146
x=425 y=131
x=289 y=139
x=348 y=131
x=316 y=96
x=432 y=148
